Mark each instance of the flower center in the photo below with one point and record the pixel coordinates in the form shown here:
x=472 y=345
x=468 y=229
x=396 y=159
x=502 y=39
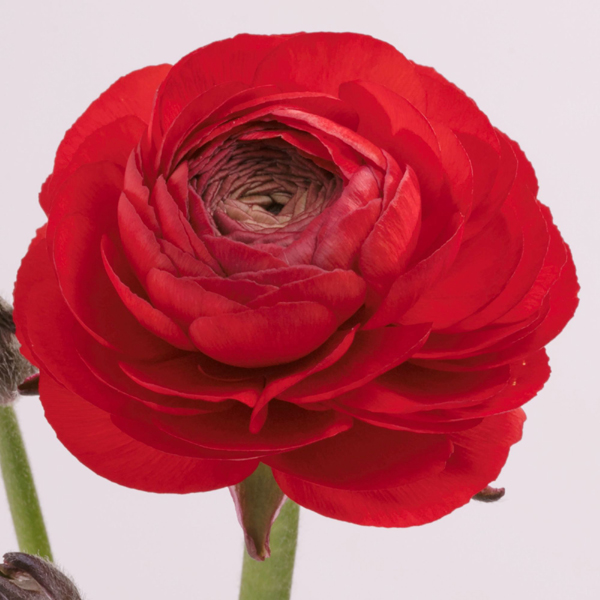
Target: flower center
x=263 y=187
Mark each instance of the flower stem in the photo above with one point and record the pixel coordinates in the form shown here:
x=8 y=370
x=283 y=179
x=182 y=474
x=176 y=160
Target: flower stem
x=272 y=579
x=20 y=488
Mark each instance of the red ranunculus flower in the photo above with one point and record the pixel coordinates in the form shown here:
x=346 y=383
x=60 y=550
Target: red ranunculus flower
x=300 y=250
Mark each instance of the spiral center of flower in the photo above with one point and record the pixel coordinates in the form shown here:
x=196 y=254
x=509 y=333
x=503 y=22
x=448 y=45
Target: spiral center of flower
x=263 y=187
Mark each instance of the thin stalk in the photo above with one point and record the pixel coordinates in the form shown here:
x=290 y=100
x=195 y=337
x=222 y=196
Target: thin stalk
x=272 y=579
x=20 y=488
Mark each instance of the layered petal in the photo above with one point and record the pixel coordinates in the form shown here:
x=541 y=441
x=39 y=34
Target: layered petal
x=89 y=434
x=478 y=456
x=264 y=336
x=366 y=457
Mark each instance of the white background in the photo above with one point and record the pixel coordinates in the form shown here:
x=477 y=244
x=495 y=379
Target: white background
x=533 y=67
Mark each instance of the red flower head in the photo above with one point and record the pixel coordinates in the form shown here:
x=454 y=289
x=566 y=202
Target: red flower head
x=305 y=251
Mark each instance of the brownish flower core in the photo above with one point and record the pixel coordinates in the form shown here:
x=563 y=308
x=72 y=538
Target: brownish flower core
x=262 y=187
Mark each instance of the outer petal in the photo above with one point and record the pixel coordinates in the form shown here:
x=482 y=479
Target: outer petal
x=131 y=95
x=366 y=457
x=90 y=435
x=479 y=455
x=410 y=388
x=480 y=272
x=527 y=379
x=110 y=143
x=229 y=60
x=47 y=328
x=562 y=301
x=447 y=104
x=323 y=61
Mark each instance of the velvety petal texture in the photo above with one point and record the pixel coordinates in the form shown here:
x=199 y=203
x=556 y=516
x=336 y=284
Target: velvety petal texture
x=303 y=251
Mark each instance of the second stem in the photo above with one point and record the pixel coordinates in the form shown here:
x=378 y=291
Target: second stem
x=20 y=488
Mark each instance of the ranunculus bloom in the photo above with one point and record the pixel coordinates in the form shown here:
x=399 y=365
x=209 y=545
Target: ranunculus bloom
x=305 y=251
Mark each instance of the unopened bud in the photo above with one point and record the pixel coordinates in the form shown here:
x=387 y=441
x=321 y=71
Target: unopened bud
x=31 y=386
x=14 y=368
x=258 y=500
x=27 y=577
x=489 y=494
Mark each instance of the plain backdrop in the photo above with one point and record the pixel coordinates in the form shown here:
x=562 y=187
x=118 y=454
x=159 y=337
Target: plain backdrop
x=533 y=68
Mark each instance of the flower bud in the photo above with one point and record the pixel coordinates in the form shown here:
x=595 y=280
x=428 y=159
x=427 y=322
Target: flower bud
x=489 y=494
x=258 y=500
x=27 y=577
x=14 y=368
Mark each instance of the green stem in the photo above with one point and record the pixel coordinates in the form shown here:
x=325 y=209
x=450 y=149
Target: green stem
x=272 y=579
x=20 y=489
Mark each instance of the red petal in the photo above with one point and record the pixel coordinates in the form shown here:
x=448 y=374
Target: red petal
x=323 y=61
x=186 y=264
x=83 y=212
x=479 y=455
x=131 y=95
x=279 y=277
x=235 y=257
x=535 y=247
x=90 y=435
x=148 y=316
x=287 y=427
x=407 y=289
x=182 y=377
x=342 y=292
x=384 y=113
x=458 y=168
x=239 y=290
x=366 y=458
x=259 y=104
x=193 y=116
x=284 y=376
x=462 y=345
x=46 y=326
x=142 y=430
x=140 y=243
x=449 y=105
x=527 y=377
x=185 y=300
x=138 y=194
x=110 y=143
x=88 y=290
x=411 y=388
x=225 y=61
x=408 y=423
x=554 y=261
x=492 y=179
x=397 y=126
x=348 y=222
x=170 y=217
x=371 y=354
x=105 y=365
x=562 y=301
x=388 y=247
x=328 y=131
x=265 y=336
x=479 y=273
